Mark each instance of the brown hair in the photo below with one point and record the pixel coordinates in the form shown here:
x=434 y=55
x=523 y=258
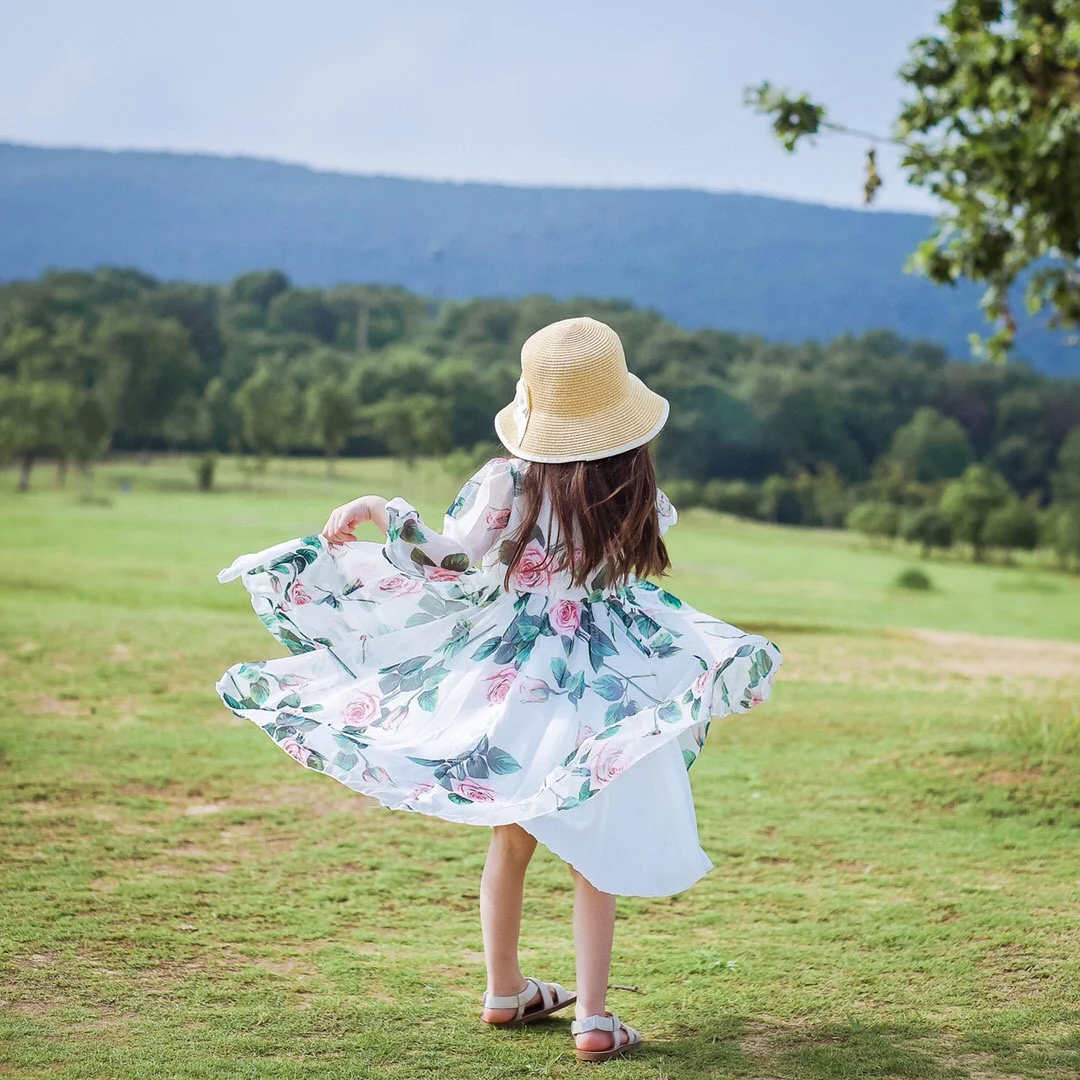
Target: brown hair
x=608 y=506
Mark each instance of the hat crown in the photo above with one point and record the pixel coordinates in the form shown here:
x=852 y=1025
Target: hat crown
x=576 y=360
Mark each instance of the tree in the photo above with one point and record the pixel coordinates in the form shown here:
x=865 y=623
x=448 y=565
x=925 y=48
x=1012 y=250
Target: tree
x=331 y=413
x=150 y=371
x=410 y=426
x=33 y=416
x=259 y=288
x=1066 y=478
x=969 y=501
x=1014 y=526
x=268 y=406
x=302 y=311
x=931 y=447
x=928 y=527
x=992 y=130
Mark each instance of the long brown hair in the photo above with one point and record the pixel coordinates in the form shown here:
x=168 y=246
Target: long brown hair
x=608 y=507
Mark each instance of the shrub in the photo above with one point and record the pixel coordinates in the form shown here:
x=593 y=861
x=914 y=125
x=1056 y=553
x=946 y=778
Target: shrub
x=204 y=468
x=914 y=579
x=874 y=519
x=684 y=494
x=731 y=497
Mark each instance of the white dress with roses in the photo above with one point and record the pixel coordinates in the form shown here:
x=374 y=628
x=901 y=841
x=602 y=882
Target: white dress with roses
x=416 y=677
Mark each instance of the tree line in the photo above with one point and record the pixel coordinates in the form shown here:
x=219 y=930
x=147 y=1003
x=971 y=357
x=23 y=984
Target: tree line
x=873 y=430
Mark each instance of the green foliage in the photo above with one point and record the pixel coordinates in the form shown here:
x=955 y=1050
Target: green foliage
x=1012 y=526
x=913 y=579
x=931 y=446
x=992 y=129
x=927 y=526
x=877 y=520
x=970 y=501
x=731 y=497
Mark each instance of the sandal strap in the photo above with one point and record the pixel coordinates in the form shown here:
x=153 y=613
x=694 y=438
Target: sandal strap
x=514 y=1001
x=607 y=1023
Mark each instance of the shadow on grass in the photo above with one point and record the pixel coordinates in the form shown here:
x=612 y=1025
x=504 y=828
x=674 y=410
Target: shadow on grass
x=743 y=1047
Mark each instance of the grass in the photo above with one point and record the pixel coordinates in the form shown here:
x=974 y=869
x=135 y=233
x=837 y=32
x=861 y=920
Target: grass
x=895 y=834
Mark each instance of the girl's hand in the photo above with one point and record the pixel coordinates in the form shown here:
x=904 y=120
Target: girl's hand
x=342 y=521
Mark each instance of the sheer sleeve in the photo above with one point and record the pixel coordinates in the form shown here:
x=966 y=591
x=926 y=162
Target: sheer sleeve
x=473 y=524
x=665 y=511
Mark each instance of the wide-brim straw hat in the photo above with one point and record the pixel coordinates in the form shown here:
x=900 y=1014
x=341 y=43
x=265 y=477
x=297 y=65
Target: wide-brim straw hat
x=576 y=400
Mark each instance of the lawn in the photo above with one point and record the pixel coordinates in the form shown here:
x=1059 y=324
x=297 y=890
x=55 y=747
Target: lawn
x=896 y=834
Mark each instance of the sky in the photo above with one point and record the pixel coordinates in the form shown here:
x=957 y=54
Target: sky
x=568 y=92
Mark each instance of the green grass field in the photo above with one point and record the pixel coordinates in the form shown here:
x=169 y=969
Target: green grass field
x=896 y=834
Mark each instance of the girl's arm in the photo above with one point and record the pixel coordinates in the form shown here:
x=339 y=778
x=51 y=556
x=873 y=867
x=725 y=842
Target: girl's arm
x=345 y=519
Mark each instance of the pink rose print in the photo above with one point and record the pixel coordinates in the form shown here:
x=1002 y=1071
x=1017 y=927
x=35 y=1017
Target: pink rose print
x=607 y=763
x=533 y=572
x=420 y=789
x=361 y=709
x=298 y=594
x=499 y=685
x=402 y=586
x=497 y=519
x=701 y=683
x=376 y=775
x=438 y=573
x=470 y=789
x=533 y=690
x=295 y=750
x=292 y=682
x=565 y=617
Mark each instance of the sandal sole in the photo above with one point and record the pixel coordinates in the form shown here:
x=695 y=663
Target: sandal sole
x=596 y=1056
x=530 y=1017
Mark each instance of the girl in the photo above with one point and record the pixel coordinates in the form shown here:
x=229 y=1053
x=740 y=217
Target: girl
x=517 y=670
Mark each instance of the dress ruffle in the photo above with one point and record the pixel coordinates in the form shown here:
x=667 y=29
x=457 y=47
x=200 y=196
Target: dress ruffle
x=417 y=678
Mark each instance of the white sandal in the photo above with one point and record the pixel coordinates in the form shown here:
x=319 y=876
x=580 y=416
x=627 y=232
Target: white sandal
x=606 y=1023
x=552 y=998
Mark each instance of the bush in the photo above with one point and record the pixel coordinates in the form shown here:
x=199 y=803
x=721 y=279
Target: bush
x=929 y=527
x=782 y=501
x=684 y=494
x=914 y=579
x=731 y=497
x=874 y=519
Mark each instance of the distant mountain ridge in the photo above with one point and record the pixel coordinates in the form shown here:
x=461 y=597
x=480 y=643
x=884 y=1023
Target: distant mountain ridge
x=744 y=263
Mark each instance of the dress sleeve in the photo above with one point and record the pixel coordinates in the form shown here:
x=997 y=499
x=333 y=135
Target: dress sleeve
x=473 y=524
x=666 y=512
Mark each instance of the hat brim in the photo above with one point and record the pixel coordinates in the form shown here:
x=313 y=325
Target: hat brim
x=633 y=420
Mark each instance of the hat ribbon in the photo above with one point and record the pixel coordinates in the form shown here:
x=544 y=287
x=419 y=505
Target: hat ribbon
x=522 y=406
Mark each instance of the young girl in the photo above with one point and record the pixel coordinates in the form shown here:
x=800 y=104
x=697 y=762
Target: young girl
x=517 y=670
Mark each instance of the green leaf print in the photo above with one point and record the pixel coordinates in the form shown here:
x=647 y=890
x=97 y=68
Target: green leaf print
x=345 y=761
x=289 y=701
x=607 y=733
x=600 y=645
x=560 y=671
x=294 y=643
x=426 y=763
x=428 y=700
x=499 y=761
x=454 y=797
x=577 y=688
x=316 y=762
x=419 y=618
x=458 y=561
x=689 y=757
x=668 y=600
x=477 y=767
x=506 y=551
x=259 y=691
x=411 y=532
x=669 y=712
x=232 y=703
x=487 y=648
x=609 y=687
x=421 y=558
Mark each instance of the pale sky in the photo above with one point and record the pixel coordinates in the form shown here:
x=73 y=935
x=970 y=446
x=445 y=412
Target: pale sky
x=585 y=93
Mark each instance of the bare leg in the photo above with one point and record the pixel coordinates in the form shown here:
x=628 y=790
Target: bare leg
x=501 y=889
x=594 y=929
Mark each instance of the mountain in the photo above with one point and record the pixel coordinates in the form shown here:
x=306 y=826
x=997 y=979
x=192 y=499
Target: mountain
x=745 y=263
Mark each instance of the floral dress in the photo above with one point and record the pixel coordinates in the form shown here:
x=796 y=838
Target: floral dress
x=418 y=678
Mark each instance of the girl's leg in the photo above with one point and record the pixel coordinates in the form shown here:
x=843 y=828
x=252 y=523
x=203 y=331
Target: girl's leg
x=594 y=929
x=501 y=889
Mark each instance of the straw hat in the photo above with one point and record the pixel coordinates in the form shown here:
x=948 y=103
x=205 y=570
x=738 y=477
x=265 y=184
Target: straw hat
x=575 y=399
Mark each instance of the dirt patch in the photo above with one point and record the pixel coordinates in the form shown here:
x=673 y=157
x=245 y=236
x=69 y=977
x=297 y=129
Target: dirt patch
x=981 y=657
x=51 y=706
